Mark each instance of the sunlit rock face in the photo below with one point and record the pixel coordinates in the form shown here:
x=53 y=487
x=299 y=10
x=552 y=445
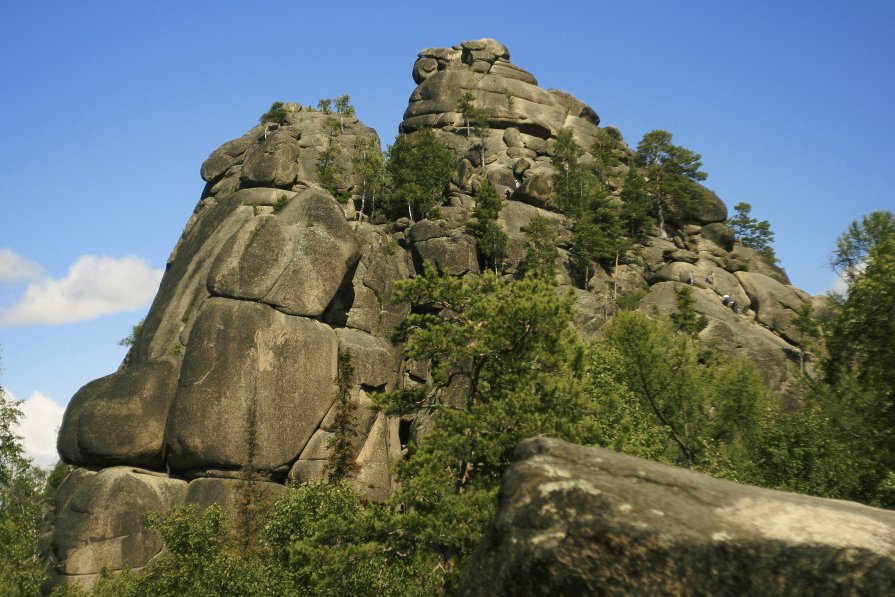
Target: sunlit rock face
x=588 y=521
x=234 y=371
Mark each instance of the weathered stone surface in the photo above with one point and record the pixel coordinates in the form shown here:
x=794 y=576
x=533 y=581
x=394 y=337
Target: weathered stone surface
x=247 y=365
x=230 y=493
x=746 y=259
x=295 y=260
x=588 y=521
x=374 y=359
x=719 y=234
x=775 y=305
x=446 y=246
x=381 y=449
x=120 y=418
x=227 y=155
x=100 y=518
x=661 y=297
x=272 y=162
x=712 y=208
x=183 y=287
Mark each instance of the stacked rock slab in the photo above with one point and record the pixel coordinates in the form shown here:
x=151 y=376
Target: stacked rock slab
x=234 y=370
x=589 y=521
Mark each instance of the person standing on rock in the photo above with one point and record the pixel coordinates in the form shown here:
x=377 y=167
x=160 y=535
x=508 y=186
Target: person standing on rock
x=725 y=300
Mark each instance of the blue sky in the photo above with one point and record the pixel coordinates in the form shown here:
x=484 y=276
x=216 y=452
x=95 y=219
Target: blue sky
x=108 y=109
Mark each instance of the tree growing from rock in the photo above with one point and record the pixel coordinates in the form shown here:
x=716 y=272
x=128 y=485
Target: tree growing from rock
x=505 y=365
x=808 y=329
x=541 y=254
x=370 y=167
x=576 y=188
x=341 y=460
x=491 y=240
x=637 y=206
x=419 y=169
x=328 y=171
x=344 y=109
x=752 y=233
x=671 y=173
x=275 y=115
x=685 y=318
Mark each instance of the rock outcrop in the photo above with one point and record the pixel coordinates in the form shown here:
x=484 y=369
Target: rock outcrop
x=234 y=370
x=588 y=521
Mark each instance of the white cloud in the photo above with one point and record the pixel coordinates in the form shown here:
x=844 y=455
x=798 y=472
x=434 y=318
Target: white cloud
x=94 y=286
x=15 y=268
x=39 y=427
x=839 y=285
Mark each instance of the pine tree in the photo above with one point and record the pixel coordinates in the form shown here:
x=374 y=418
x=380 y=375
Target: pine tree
x=419 y=169
x=685 y=318
x=671 y=171
x=752 y=233
x=541 y=255
x=505 y=365
x=576 y=187
x=491 y=240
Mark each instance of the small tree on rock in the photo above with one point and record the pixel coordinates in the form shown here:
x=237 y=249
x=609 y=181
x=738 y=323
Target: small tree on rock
x=752 y=233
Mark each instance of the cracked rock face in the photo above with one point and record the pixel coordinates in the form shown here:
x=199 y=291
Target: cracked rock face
x=588 y=521
x=235 y=365
x=272 y=278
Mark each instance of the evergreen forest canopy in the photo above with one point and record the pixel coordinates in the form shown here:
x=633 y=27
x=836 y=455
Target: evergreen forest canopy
x=506 y=363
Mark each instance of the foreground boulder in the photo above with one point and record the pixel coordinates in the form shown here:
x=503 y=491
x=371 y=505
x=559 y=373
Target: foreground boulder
x=588 y=521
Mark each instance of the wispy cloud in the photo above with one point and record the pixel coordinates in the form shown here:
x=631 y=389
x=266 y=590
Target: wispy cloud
x=94 y=286
x=39 y=427
x=15 y=268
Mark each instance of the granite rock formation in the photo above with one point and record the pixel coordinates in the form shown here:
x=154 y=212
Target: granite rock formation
x=588 y=521
x=234 y=370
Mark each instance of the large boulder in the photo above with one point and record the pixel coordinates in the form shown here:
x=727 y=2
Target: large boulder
x=775 y=304
x=101 y=520
x=251 y=376
x=120 y=418
x=295 y=260
x=588 y=521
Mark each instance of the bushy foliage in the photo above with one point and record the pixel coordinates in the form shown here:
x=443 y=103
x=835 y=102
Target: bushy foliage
x=21 y=499
x=505 y=365
x=275 y=115
x=491 y=240
x=419 y=169
x=752 y=233
x=671 y=172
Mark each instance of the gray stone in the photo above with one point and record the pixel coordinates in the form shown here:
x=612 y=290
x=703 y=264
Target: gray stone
x=295 y=260
x=775 y=305
x=746 y=259
x=272 y=162
x=374 y=359
x=100 y=518
x=712 y=208
x=232 y=494
x=380 y=451
x=120 y=418
x=719 y=234
x=249 y=366
x=227 y=155
x=588 y=521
